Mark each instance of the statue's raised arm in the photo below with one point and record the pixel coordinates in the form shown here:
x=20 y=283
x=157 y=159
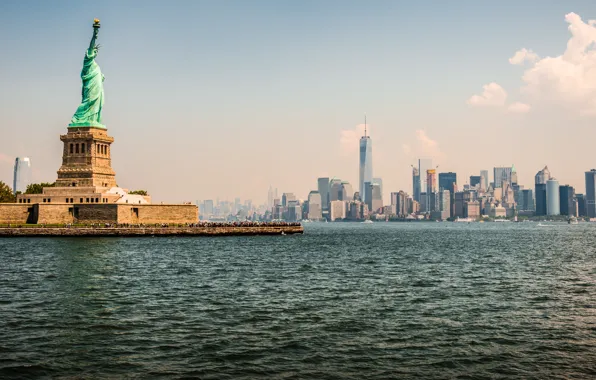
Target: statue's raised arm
x=96 y=27
x=89 y=111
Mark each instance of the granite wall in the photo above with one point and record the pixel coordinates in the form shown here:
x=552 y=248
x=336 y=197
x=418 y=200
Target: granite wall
x=64 y=213
x=17 y=213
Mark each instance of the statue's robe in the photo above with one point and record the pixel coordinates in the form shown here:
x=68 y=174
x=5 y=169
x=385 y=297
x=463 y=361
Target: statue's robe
x=92 y=103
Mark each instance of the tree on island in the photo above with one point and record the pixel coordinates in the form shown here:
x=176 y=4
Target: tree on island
x=37 y=188
x=6 y=194
x=139 y=192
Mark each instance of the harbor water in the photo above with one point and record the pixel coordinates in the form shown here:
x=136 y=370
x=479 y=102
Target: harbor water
x=344 y=300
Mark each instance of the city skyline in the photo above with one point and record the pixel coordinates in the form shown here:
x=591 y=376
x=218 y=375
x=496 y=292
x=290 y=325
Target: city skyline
x=252 y=109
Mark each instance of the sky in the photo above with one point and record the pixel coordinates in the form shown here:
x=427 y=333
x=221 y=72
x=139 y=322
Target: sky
x=221 y=99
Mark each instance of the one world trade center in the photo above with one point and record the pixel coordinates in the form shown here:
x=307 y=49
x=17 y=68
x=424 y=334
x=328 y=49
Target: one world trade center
x=366 y=173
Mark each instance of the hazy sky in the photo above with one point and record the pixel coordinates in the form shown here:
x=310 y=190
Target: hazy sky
x=212 y=99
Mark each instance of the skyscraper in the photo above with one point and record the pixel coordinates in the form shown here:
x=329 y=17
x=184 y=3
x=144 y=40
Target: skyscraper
x=567 y=200
x=553 y=206
x=416 y=184
x=373 y=196
x=286 y=198
x=446 y=181
x=335 y=190
x=366 y=171
x=347 y=191
x=445 y=204
x=542 y=176
x=540 y=190
x=484 y=179
x=399 y=203
x=581 y=204
x=475 y=180
x=379 y=181
x=526 y=200
x=424 y=164
x=513 y=175
x=502 y=174
x=590 y=196
x=431 y=181
x=22 y=174
x=323 y=187
x=314 y=206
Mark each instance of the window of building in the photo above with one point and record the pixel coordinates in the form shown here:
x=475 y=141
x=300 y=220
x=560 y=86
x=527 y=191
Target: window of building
x=66 y=200
x=81 y=200
x=71 y=200
x=87 y=200
x=77 y=148
x=83 y=148
x=29 y=200
x=74 y=184
x=20 y=201
x=44 y=200
x=71 y=148
x=49 y=200
x=91 y=200
x=96 y=200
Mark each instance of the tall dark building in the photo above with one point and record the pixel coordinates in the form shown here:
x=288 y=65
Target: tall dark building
x=540 y=191
x=475 y=180
x=416 y=184
x=447 y=180
x=526 y=202
x=323 y=188
x=590 y=196
x=581 y=205
x=566 y=200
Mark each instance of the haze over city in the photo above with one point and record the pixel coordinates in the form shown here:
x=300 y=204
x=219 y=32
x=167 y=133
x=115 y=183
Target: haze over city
x=211 y=100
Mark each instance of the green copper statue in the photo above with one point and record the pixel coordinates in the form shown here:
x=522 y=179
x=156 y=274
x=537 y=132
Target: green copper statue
x=89 y=112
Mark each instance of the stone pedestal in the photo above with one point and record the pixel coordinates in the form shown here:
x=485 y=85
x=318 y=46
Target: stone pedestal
x=86 y=159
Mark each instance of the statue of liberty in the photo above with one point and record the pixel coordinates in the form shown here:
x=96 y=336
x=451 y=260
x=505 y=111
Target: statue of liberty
x=89 y=112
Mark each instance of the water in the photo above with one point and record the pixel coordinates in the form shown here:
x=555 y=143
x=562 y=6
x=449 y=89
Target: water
x=390 y=300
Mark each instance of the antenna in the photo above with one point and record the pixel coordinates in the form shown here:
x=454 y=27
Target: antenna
x=364 y=125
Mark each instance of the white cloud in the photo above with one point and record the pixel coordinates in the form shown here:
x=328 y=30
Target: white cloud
x=522 y=56
x=518 y=107
x=493 y=96
x=566 y=82
x=427 y=146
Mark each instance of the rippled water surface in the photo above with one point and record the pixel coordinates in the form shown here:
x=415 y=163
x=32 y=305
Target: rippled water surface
x=389 y=300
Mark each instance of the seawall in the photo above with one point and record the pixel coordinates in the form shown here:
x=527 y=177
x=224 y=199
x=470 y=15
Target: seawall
x=150 y=231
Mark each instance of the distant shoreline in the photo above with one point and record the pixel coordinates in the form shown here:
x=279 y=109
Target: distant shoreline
x=36 y=231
